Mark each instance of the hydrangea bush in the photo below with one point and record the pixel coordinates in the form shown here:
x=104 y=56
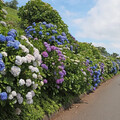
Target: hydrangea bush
x=46 y=38
x=20 y=70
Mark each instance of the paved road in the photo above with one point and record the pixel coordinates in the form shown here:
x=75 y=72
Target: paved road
x=103 y=104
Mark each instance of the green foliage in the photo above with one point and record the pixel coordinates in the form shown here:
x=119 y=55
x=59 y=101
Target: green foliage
x=1 y=12
x=12 y=4
x=12 y=20
x=103 y=51
x=36 y=11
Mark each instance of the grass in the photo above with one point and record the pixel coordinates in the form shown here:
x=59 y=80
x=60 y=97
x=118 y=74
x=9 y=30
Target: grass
x=12 y=20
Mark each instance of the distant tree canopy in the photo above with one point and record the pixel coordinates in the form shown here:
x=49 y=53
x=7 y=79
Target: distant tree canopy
x=13 y=4
x=103 y=51
x=114 y=55
x=39 y=11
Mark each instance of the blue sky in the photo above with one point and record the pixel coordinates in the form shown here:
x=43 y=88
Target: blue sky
x=93 y=21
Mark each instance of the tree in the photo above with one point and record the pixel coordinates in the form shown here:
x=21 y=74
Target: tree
x=13 y=4
x=114 y=55
x=39 y=11
x=103 y=51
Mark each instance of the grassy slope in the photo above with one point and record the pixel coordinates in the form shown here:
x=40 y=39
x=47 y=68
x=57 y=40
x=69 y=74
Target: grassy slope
x=12 y=19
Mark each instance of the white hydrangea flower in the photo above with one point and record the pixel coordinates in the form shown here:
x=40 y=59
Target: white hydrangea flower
x=36 y=69
x=35 y=63
x=18 y=60
x=4 y=54
x=34 y=75
x=84 y=73
x=8 y=89
x=21 y=82
x=3 y=72
x=25 y=50
x=15 y=71
x=42 y=83
x=28 y=82
x=30 y=101
x=5 y=12
x=24 y=59
x=33 y=93
x=18 y=95
x=29 y=96
x=40 y=77
x=30 y=67
x=14 y=93
x=10 y=97
x=3 y=23
x=20 y=100
x=18 y=111
x=35 y=86
x=30 y=58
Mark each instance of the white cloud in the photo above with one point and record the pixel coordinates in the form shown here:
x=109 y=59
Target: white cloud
x=101 y=23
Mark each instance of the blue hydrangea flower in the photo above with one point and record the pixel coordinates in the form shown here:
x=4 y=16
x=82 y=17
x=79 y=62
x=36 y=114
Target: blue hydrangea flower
x=40 y=32
x=34 y=32
x=29 y=27
x=2 y=38
x=63 y=34
x=9 y=38
x=59 y=37
x=10 y=33
x=53 y=38
x=14 y=44
x=0 y=56
x=3 y=96
x=13 y=30
x=2 y=65
x=48 y=26
x=95 y=85
x=47 y=33
x=54 y=31
x=34 y=24
x=98 y=81
x=44 y=23
x=41 y=28
x=71 y=48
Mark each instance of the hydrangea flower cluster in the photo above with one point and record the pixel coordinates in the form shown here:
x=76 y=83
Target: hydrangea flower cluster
x=10 y=39
x=2 y=65
x=46 y=29
x=24 y=69
x=114 y=68
x=59 y=72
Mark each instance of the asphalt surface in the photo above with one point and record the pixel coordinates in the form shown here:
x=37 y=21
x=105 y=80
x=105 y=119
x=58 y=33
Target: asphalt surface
x=103 y=104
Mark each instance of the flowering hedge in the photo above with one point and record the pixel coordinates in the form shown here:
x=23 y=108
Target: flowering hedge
x=63 y=68
x=20 y=70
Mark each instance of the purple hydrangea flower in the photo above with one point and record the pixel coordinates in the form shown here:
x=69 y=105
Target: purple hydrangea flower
x=44 y=54
x=48 y=49
x=45 y=81
x=53 y=48
x=44 y=66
